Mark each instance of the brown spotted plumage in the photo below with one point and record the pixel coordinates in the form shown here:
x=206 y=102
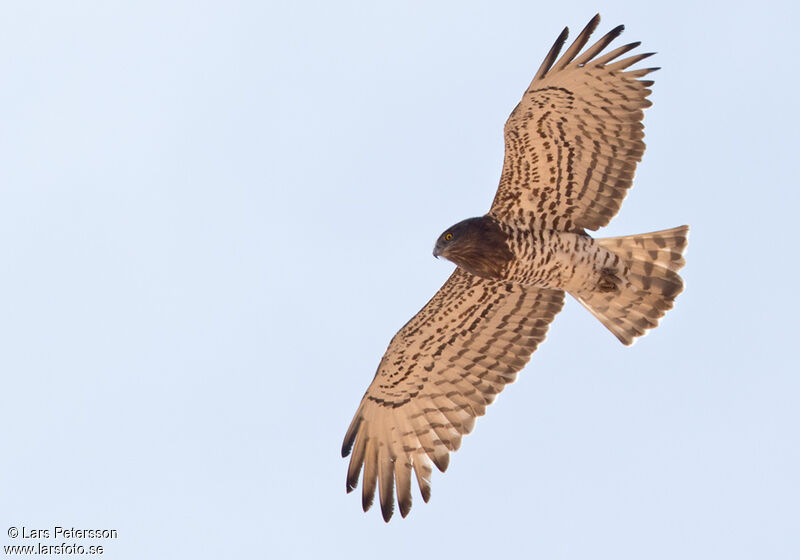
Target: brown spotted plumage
x=572 y=145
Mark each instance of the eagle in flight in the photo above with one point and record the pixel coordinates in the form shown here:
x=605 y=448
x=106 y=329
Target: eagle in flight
x=571 y=148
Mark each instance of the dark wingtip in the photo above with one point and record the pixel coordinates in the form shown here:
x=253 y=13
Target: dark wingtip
x=548 y=61
x=426 y=493
x=350 y=437
x=442 y=462
x=405 y=506
x=562 y=38
x=557 y=46
x=598 y=47
x=387 y=510
x=613 y=34
x=591 y=26
x=366 y=501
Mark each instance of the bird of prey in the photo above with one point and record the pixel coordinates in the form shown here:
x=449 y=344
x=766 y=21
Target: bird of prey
x=571 y=149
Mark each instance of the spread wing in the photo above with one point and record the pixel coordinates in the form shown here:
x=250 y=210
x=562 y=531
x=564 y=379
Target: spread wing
x=438 y=374
x=573 y=142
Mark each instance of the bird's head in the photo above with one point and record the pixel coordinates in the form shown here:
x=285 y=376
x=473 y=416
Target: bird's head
x=477 y=245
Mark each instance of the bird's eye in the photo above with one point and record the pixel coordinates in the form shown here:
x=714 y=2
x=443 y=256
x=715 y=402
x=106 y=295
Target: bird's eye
x=448 y=236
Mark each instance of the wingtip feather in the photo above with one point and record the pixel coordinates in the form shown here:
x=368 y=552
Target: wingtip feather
x=442 y=461
x=370 y=478
x=350 y=436
x=548 y=61
x=387 y=511
x=598 y=47
x=630 y=61
x=403 y=486
x=577 y=44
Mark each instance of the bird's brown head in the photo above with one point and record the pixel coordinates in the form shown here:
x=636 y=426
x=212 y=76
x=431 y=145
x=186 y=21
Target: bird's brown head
x=477 y=245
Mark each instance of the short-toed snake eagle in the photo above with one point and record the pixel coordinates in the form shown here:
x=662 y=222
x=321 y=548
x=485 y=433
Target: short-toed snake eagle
x=571 y=149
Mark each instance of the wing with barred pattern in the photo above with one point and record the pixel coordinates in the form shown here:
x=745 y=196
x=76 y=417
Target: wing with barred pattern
x=573 y=142
x=439 y=373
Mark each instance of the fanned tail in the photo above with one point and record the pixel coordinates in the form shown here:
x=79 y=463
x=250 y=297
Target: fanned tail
x=636 y=305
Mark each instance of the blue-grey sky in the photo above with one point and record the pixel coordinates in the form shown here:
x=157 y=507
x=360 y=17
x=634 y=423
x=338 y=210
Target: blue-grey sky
x=215 y=215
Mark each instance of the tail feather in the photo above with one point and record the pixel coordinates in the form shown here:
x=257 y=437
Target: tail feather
x=650 y=286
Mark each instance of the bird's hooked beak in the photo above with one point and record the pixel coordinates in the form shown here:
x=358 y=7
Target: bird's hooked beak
x=437 y=251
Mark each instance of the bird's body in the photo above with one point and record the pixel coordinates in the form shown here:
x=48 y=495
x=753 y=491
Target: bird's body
x=538 y=258
x=572 y=145
x=555 y=259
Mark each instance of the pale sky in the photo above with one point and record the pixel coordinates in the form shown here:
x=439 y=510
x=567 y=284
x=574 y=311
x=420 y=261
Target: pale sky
x=215 y=215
